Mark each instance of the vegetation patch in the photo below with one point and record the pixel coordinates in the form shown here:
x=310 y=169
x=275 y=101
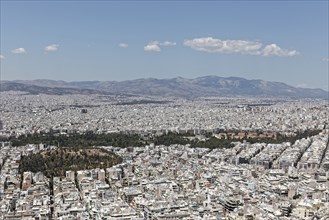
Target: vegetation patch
x=56 y=162
x=213 y=142
x=87 y=139
x=90 y=139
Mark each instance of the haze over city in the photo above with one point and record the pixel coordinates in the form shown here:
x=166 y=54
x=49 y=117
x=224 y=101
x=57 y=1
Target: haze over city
x=112 y=40
x=157 y=110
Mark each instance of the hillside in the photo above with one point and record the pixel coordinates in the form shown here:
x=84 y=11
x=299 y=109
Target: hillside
x=56 y=162
x=177 y=87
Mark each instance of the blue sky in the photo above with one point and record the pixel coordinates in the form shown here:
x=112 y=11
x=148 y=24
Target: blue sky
x=115 y=40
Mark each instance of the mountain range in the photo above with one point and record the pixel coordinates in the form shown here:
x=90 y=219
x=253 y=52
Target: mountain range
x=177 y=87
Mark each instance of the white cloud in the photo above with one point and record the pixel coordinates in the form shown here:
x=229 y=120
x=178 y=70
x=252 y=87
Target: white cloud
x=213 y=45
x=51 y=48
x=123 y=45
x=275 y=50
x=168 y=43
x=209 y=44
x=152 y=47
x=325 y=59
x=2 y=57
x=19 y=50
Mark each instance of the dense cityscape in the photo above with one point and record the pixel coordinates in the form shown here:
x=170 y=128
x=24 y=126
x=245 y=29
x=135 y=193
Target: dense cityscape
x=164 y=110
x=251 y=176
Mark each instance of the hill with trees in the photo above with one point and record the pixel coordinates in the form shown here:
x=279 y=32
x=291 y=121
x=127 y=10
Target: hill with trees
x=56 y=162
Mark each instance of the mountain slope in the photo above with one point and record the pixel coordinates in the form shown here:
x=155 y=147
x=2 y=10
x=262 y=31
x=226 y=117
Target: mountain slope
x=189 y=88
x=34 y=89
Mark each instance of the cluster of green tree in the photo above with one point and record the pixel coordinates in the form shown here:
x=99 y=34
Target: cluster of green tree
x=56 y=162
x=126 y=140
x=79 y=140
x=174 y=138
x=280 y=138
x=170 y=138
x=213 y=142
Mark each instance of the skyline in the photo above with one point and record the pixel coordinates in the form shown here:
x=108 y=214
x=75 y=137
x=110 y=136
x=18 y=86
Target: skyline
x=110 y=40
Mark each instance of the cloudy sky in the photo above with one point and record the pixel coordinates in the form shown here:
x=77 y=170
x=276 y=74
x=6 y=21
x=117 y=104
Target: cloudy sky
x=113 y=40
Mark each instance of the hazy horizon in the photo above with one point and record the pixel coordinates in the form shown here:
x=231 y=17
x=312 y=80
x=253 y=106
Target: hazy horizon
x=158 y=78
x=117 y=41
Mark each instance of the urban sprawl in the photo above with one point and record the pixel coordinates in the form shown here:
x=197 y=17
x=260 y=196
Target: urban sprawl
x=246 y=180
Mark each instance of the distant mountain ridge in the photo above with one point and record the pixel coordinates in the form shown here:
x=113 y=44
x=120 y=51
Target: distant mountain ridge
x=179 y=87
x=35 y=89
